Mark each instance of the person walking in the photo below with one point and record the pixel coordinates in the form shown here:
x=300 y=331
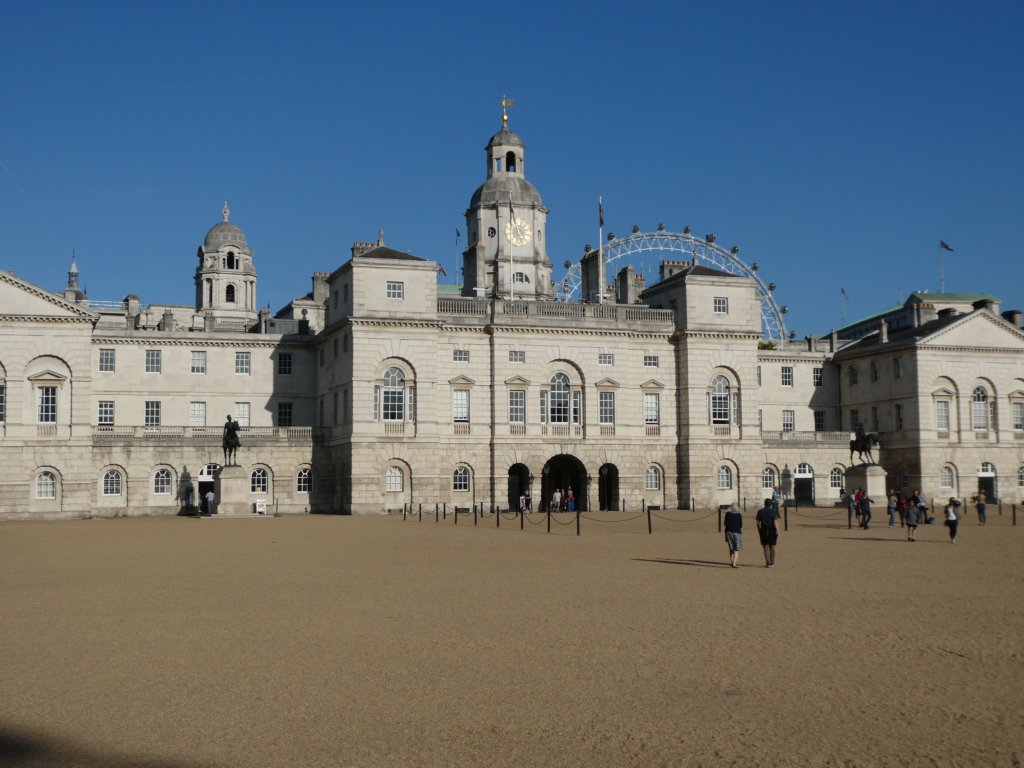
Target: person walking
x=570 y=501
x=556 y=500
x=767 y=520
x=864 y=508
x=979 y=504
x=776 y=497
x=734 y=533
x=894 y=502
x=912 y=515
x=952 y=519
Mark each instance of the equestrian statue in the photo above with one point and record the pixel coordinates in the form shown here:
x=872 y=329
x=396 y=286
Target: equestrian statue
x=230 y=442
x=862 y=445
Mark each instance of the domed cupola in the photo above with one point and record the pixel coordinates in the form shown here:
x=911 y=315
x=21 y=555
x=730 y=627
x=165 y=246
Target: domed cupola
x=226 y=278
x=506 y=223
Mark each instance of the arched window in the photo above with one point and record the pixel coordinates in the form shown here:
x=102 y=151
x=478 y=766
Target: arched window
x=559 y=402
x=803 y=469
x=768 y=478
x=720 y=412
x=232 y=263
x=162 y=481
x=946 y=477
x=987 y=468
x=652 y=479
x=304 y=480
x=394 y=395
x=510 y=162
x=258 y=481
x=394 y=480
x=111 y=483
x=460 y=479
x=724 y=478
x=979 y=409
x=835 y=478
x=46 y=485
x=229 y=294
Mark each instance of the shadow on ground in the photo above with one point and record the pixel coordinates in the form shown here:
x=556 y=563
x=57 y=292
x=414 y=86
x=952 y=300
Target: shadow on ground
x=30 y=750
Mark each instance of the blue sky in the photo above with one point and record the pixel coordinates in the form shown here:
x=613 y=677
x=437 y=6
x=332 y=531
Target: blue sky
x=834 y=143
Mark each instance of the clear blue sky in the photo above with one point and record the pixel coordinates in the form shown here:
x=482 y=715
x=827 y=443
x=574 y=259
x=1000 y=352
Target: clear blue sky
x=834 y=143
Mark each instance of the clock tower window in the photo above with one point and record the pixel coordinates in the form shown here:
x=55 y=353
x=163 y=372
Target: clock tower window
x=229 y=294
x=510 y=162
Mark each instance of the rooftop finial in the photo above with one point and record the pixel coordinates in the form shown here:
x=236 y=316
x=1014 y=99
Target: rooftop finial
x=380 y=236
x=225 y=211
x=505 y=104
x=74 y=266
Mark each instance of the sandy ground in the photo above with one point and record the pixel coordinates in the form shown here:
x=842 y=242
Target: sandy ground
x=339 y=641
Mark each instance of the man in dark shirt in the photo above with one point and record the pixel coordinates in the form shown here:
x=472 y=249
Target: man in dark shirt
x=734 y=533
x=767 y=520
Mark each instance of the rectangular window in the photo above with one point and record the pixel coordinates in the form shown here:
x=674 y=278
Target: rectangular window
x=198 y=361
x=46 y=412
x=650 y=361
x=460 y=405
x=105 y=413
x=242 y=414
x=577 y=406
x=874 y=371
x=1018 y=413
x=874 y=418
x=395 y=289
x=516 y=356
x=284 y=363
x=284 y=414
x=153 y=361
x=787 y=376
x=788 y=421
x=517 y=406
x=606 y=358
x=854 y=419
x=819 y=421
x=543 y=406
x=898 y=412
x=721 y=305
x=652 y=408
x=243 y=363
x=606 y=407
x=853 y=374
x=108 y=358
x=460 y=355
x=942 y=415
x=897 y=368
x=817 y=375
x=152 y=413
x=197 y=414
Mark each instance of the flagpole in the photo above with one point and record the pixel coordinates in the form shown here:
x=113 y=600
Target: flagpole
x=457 y=233
x=511 y=266
x=600 y=250
x=942 y=271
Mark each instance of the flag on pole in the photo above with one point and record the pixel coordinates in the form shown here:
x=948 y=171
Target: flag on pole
x=600 y=212
x=457 y=233
x=842 y=292
x=945 y=246
x=511 y=210
x=441 y=270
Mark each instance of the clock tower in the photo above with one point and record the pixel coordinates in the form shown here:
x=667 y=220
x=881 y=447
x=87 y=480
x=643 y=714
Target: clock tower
x=506 y=226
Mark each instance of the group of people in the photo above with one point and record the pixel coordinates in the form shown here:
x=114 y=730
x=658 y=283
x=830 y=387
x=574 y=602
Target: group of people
x=860 y=507
x=525 y=502
x=563 y=502
x=767 y=521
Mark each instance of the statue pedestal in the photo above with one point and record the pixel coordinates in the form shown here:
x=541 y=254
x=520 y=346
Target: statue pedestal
x=872 y=478
x=231 y=487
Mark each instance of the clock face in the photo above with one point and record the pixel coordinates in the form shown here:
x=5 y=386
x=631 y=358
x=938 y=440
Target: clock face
x=517 y=232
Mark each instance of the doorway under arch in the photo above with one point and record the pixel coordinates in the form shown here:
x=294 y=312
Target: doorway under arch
x=519 y=484
x=564 y=472
x=608 y=487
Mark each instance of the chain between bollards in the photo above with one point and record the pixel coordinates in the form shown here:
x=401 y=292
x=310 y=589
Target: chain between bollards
x=577 y=522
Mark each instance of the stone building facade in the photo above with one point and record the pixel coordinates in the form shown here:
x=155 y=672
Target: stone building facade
x=381 y=387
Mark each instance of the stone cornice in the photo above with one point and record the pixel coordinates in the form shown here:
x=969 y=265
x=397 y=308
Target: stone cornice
x=52 y=298
x=197 y=341
x=47 y=319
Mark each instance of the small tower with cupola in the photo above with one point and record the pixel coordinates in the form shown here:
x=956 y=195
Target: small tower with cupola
x=506 y=225
x=226 y=278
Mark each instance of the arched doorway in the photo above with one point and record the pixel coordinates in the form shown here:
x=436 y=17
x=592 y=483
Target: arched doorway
x=608 y=487
x=987 y=480
x=564 y=472
x=207 y=476
x=520 y=481
x=803 y=484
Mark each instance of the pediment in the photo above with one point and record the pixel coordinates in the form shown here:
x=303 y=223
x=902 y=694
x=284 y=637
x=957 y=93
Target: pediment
x=48 y=377
x=607 y=383
x=943 y=392
x=463 y=381
x=517 y=381
x=980 y=330
x=652 y=384
x=20 y=298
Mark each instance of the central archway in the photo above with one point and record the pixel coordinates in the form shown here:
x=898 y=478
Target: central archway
x=564 y=472
x=608 y=487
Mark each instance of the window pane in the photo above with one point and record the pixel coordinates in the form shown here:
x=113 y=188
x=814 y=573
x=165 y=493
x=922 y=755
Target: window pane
x=47 y=410
x=153 y=361
x=460 y=405
x=46 y=486
x=198 y=361
x=559 y=399
x=107 y=360
x=304 y=481
x=517 y=406
x=606 y=402
x=105 y=415
x=243 y=363
x=162 y=481
x=652 y=408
